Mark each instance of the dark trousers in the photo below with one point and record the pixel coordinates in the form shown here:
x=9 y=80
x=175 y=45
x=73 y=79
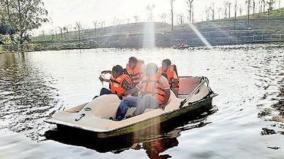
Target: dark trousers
x=105 y=91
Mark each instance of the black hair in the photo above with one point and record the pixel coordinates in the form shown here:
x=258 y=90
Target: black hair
x=167 y=62
x=133 y=59
x=118 y=70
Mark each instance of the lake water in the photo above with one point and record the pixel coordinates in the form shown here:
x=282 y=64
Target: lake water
x=249 y=122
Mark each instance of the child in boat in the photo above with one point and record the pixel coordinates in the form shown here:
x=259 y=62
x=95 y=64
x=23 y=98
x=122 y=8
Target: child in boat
x=154 y=92
x=134 y=69
x=119 y=83
x=169 y=71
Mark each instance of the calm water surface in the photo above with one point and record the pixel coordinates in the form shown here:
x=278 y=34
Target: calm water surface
x=248 y=124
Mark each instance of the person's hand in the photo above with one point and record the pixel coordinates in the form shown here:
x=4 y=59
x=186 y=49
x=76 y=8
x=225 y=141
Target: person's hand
x=105 y=72
x=101 y=78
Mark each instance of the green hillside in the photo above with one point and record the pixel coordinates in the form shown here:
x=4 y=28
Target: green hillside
x=260 y=24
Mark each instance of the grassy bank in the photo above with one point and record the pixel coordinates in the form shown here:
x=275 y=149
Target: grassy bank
x=262 y=28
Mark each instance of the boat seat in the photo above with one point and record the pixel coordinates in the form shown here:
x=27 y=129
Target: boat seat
x=130 y=111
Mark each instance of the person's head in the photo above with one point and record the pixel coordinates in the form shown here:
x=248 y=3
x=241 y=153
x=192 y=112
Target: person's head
x=151 y=69
x=165 y=64
x=132 y=62
x=117 y=71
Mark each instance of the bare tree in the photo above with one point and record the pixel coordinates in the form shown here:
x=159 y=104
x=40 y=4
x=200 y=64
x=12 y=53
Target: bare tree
x=150 y=8
x=78 y=27
x=240 y=11
x=236 y=10
x=180 y=19
x=66 y=31
x=270 y=4
x=163 y=17
x=207 y=13
x=212 y=11
x=263 y=5
x=225 y=10
x=248 y=2
x=253 y=6
x=61 y=33
x=190 y=10
x=43 y=35
x=219 y=13
x=259 y=6
x=172 y=13
x=103 y=23
x=229 y=8
x=136 y=18
x=95 y=23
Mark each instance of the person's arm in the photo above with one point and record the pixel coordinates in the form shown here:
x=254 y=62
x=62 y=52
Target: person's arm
x=166 y=87
x=130 y=89
x=103 y=80
x=106 y=72
x=176 y=72
x=168 y=94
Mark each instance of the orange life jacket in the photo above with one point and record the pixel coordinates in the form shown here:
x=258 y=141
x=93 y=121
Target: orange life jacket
x=171 y=75
x=152 y=85
x=134 y=73
x=116 y=84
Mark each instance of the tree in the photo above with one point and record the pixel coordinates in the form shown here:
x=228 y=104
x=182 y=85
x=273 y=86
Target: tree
x=136 y=18
x=236 y=11
x=207 y=13
x=259 y=6
x=180 y=18
x=95 y=23
x=61 y=33
x=229 y=8
x=253 y=7
x=248 y=2
x=241 y=11
x=163 y=17
x=43 y=35
x=263 y=5
x=190 y=10
x=150 y=8
x=270 y=4
x=78 y=27
x=212 y=11
x=219 y=13
x=65 y=29
x=24 y=16
x=226 y=10
x=172 y=13
x=270 y=7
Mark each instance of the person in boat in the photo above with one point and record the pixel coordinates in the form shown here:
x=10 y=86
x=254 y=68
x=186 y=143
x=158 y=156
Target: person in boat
x=154 y=92
x=119 y=83
x=134 y=69
x=169 y=71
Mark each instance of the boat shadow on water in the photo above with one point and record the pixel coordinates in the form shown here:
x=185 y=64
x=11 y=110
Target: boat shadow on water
x=155 y=139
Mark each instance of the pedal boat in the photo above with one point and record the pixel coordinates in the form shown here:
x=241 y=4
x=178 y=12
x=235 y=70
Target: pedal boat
x=194 y=98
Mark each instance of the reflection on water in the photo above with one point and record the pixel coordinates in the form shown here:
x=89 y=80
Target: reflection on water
x=249 y=123
x=152 y=141
x=27 y=96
